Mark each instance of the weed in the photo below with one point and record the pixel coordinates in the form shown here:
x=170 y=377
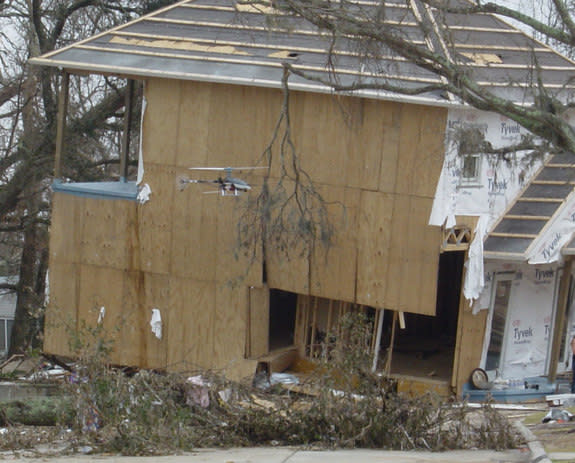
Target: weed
x=156 y=412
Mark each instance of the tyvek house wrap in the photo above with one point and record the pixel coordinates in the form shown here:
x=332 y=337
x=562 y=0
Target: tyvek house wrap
x=497 y=184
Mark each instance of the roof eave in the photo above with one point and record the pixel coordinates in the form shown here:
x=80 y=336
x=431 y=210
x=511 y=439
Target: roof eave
x=224 y=79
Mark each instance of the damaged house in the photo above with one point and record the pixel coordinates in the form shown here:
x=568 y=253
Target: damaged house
x=458 y=261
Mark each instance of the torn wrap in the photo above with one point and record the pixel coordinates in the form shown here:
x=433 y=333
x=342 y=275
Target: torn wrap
x=156 y=323
x=140 y=150
x=144 y=193
x=496 y=183
x=475 y=278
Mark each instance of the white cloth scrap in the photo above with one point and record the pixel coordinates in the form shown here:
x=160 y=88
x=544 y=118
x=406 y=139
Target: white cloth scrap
x=156 y=323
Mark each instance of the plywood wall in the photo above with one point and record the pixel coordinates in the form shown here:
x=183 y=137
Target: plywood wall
x=374 y=163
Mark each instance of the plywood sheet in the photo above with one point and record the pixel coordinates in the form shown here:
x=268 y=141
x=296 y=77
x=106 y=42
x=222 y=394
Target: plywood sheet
x=398 y=254
x=362 y=122
x=66 y=228
x=258 y=322
x=194 y=235
x=163 y=98
x=61 y=313
x=108 y=232
x=391 y=131
x=471 y=331
x=238 y=261
x=230 y=323
x=420 y=268
x=157 y=293
x=101 y=287
x=241 y=121
x=421 y=149
x=287 y=260
x=374 y=242
x=191 y=321
x=134 y=321
x=193 y=132
x=333 y=268
x=154 y=219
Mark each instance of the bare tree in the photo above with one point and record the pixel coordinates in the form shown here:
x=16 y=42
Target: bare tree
x=28 y=118
x=366 y=25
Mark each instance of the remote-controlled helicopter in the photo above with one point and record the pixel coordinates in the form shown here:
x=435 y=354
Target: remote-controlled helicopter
x=226 y=184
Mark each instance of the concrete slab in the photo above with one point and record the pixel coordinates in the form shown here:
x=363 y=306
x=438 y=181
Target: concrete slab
x=562 y=456
x=289 y=455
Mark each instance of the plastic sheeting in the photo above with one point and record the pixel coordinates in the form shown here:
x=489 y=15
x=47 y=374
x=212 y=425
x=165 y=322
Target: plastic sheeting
x=474 y=277
x=498 y=181
x=156 y=323
x=528 y=326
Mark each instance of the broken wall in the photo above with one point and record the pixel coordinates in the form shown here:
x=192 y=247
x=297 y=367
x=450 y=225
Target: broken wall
x=178 y=252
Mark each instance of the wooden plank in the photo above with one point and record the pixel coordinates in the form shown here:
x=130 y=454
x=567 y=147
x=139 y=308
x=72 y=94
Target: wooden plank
x=417 y=386
x=259 y=321
x=374 y=241
x=387 y=368
x=126 y=135
x=61 y=123
x=163 y=98
x=469 y=344
x=278 y=361
x=303 y=317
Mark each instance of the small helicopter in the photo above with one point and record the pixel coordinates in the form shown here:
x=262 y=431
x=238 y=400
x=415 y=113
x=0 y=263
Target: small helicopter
x=227 y=185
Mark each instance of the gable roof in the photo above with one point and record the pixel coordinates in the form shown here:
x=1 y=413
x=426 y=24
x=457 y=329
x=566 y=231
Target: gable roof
x=232 y=42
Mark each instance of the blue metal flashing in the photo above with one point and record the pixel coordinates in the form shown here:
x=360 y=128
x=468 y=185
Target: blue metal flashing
x=98 y=190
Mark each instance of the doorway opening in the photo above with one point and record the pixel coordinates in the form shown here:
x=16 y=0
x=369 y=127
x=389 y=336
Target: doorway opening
x=426 y=346
x=283 y=305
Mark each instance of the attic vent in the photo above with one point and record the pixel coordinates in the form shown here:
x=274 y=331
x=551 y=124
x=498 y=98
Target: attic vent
x=456 y=239
x=484 y=59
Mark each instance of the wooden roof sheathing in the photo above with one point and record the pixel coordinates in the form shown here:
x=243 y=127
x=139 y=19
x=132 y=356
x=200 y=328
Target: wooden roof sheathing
x=229 y=41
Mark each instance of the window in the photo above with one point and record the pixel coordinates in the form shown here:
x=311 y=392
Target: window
x=470 y=169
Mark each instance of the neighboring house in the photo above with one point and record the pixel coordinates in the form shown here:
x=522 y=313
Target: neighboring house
x=212 y=73
x=7 y=309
